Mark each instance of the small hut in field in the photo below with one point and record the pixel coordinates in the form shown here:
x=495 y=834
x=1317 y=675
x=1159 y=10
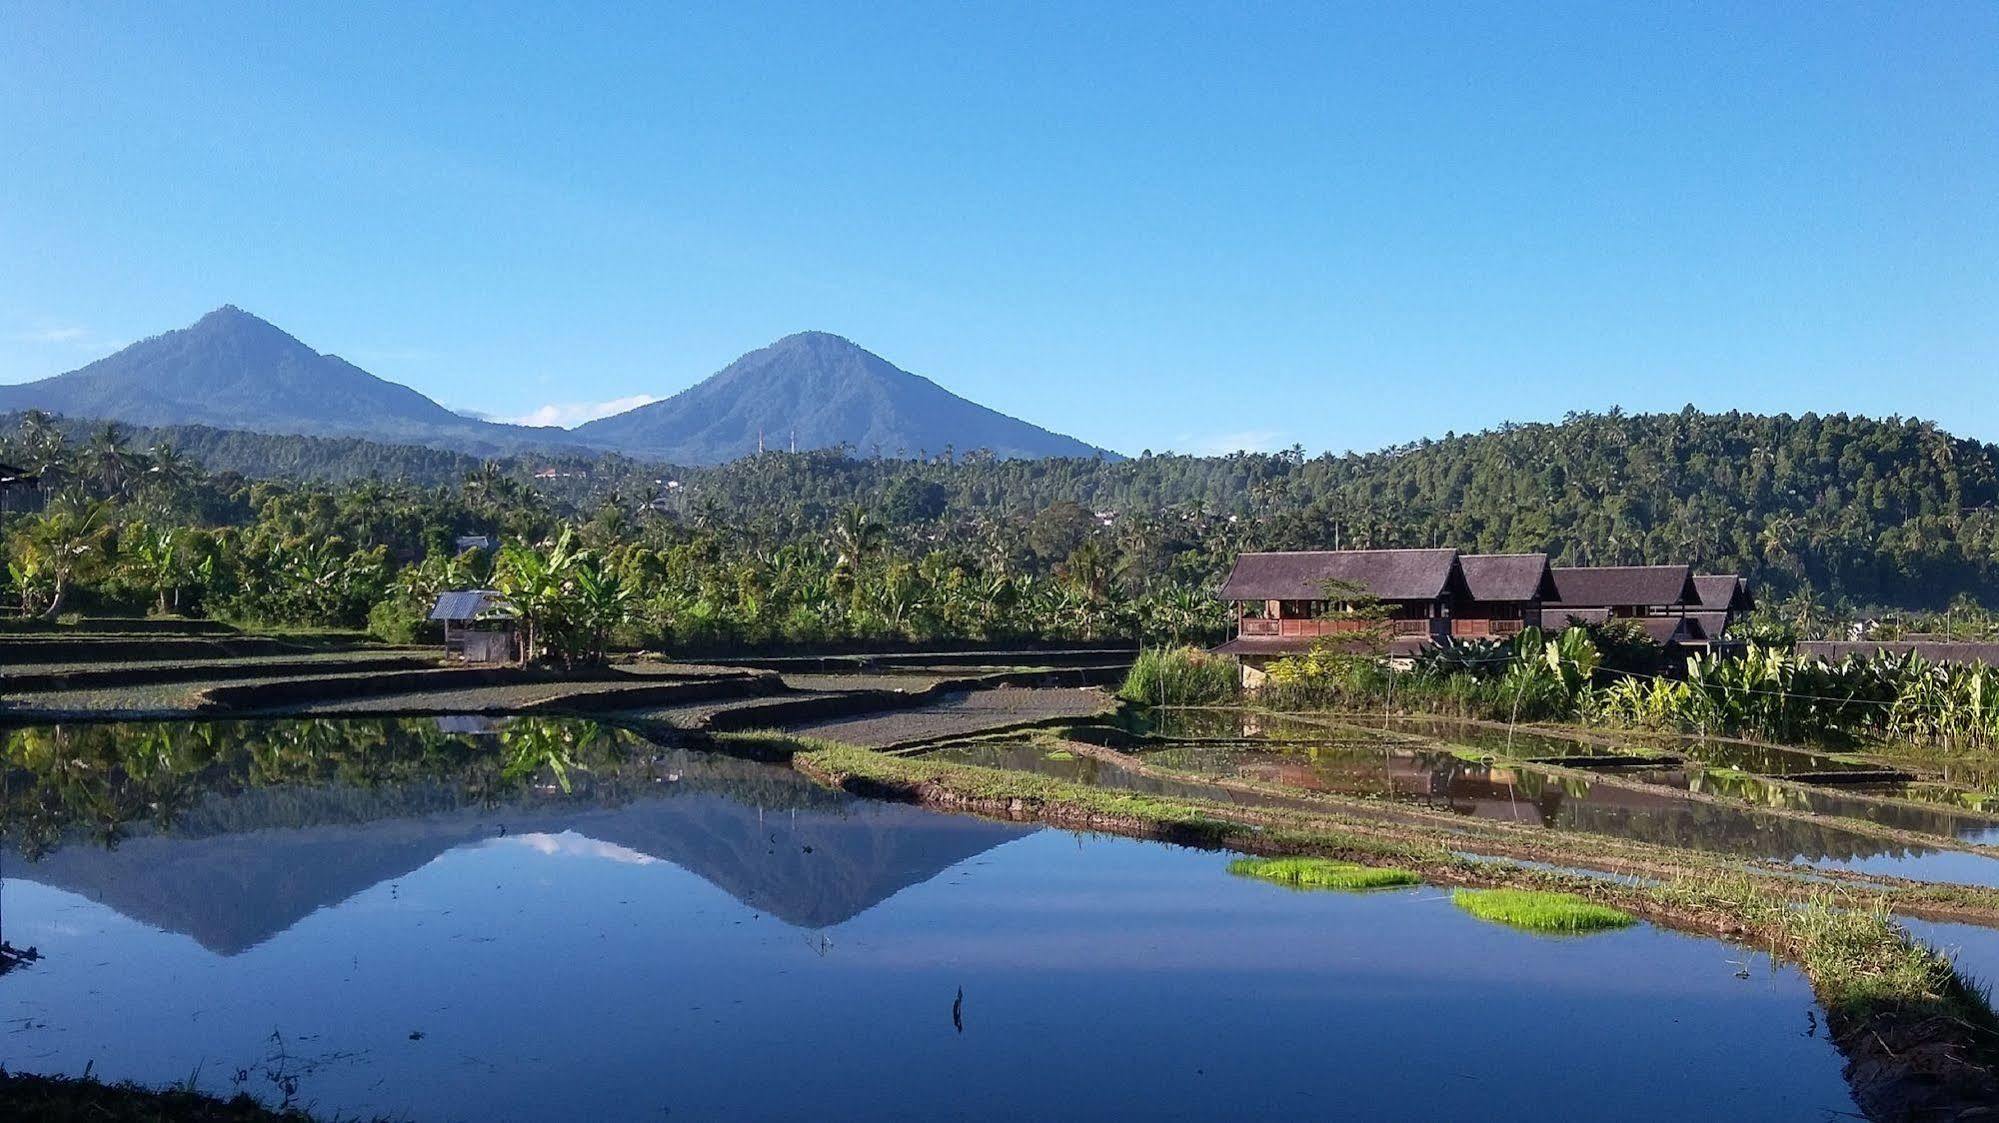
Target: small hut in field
x=478 y=626
x=20 y=489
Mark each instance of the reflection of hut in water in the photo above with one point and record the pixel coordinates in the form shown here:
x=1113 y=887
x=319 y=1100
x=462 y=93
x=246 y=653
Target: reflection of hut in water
x=11 y=956
x=470 y=725
x=479 y=626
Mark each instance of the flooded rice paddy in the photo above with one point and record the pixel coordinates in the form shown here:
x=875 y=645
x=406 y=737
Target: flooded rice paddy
x=561 y=920
x=1487 y=772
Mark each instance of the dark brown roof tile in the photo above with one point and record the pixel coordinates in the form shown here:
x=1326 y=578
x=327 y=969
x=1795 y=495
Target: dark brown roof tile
x=1398 y=575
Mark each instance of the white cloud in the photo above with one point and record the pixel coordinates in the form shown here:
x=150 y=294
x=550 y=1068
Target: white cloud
x=1246 y=440
x=568 y=414
x=569 y=844
x=54 y=335
x=68 y=335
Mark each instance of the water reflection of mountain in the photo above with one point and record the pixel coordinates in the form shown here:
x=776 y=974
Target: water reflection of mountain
x=242 y=867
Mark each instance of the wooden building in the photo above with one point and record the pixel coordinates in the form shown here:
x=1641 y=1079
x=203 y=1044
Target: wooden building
x=477 y=626
x=1657 y=599
x=1505 y=594
x=1396 y=602
x=1724 y=600
x=1287 y=603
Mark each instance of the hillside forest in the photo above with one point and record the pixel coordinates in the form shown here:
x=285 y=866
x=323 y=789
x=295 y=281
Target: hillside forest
x=1836 y=519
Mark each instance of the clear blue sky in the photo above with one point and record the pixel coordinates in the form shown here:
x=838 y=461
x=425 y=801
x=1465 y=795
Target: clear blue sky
x=1339 y=225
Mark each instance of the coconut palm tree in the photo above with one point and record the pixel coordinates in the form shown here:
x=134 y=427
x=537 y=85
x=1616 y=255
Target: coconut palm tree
x=60 y=546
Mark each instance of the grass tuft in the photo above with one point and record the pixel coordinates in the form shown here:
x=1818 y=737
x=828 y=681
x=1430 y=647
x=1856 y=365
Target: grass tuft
x=1180 y=676
x=1321 y=873
x=1539 y=911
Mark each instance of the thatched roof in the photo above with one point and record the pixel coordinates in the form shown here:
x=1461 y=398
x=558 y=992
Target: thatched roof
x=1508 y=577
x=1669 y=629
x=1394 y=575
x=1723 y=592
x=1624 y=585
x=1713 y=624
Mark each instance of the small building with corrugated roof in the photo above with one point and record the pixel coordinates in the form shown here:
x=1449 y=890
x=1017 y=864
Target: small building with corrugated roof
x=479 y=626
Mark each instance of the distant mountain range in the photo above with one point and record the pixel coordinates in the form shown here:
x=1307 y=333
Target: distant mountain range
x=232 y=370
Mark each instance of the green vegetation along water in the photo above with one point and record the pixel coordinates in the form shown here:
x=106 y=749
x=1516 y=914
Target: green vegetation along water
x=556 y=920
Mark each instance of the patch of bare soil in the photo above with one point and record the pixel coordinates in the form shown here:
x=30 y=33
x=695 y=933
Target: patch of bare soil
x=960 y=715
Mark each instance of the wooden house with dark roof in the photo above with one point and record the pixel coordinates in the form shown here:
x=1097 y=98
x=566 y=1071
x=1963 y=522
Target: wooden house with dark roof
x=1656 y=598
x=1504 y=594
x=1286 y=603
x=1724 y=600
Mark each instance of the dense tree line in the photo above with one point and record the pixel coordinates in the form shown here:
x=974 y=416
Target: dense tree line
x=1826 y=514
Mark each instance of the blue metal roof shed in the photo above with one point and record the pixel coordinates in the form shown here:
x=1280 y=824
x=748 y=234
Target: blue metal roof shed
x=467 y=605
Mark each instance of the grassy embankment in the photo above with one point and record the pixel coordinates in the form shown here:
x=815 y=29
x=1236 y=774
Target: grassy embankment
x=62 y=1099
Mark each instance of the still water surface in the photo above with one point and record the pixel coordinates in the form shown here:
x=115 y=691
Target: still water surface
x=728 y=940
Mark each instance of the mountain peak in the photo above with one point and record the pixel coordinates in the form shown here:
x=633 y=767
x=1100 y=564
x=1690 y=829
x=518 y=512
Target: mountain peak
x=817 y=337
x=814 y=389
x=234 y=370
x=228 y=313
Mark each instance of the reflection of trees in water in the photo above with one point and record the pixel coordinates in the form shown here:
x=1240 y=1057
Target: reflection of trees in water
x=97 y=781
x=1445 y=781
x=1696 y=825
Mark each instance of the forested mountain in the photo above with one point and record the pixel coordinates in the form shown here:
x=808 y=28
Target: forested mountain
x=1875 y=512
x=231 y=369
x=812 y=391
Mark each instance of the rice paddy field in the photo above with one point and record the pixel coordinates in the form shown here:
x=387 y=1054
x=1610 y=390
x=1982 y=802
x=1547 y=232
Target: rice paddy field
x=252 y=851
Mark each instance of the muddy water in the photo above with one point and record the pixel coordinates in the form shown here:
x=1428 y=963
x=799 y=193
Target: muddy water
x=697 y=937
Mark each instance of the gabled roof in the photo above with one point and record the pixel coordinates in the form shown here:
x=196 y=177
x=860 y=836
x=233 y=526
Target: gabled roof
x=1723 y=592
x=1401 y=575
x=1713 y=624
x=1634 y=585
x=1933 y=651
x=1668 y=629
x=9 y=474
x=1662 y=629
x=1508 y=577
x=470 y=604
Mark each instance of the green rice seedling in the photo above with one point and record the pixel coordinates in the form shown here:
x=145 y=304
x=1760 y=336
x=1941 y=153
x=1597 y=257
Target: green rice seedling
x=1321 y=873
x=1539 y=911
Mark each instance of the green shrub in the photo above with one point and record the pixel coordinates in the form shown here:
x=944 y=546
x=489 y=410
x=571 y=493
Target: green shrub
x=1320 y=873
x=395 y=621
x=1539 y=911
x=1181 y=676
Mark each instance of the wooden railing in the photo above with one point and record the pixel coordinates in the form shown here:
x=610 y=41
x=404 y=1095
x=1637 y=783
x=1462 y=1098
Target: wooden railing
x=1312 y=629
x=1476 y=627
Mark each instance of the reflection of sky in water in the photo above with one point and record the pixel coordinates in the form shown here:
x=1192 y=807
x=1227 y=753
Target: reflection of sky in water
x=1955 y=866
x=557 y=976
x=1975 y=949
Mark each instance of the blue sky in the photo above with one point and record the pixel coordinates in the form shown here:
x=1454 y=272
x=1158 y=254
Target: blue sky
x=1196 y=228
